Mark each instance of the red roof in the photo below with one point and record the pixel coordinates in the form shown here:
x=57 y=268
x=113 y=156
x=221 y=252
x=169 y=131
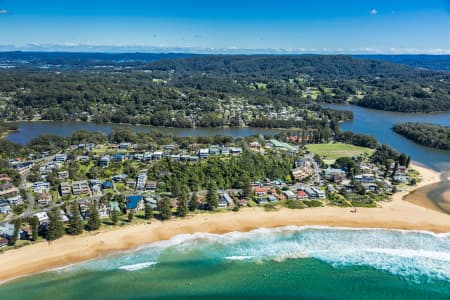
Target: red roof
x=260 y=190
x=301 y=194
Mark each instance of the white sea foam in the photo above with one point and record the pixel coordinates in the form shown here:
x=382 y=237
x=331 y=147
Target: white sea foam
x=239 y=257
x=139 y=266
x=413 y=254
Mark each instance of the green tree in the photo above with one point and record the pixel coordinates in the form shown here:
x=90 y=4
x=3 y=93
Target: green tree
x=194 y=204
x=164 y=208
x=182 y=207
x=75 y=223
x=212 y=198
x=148 y=212
x=34 y=223
x=115 y=216
x=17 y=226
x=94 y=218
x=246 y=187
x=55 y=228
x=130 y=216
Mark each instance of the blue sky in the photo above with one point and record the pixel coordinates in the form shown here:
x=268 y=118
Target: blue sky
x=349 y=26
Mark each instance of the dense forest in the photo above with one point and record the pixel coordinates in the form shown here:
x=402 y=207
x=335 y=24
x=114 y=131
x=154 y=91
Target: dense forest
x=215 y=91
x=430 y=135
x=429 y=62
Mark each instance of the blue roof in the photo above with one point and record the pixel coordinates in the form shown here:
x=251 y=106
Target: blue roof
x=133 y=201
x=107 y=184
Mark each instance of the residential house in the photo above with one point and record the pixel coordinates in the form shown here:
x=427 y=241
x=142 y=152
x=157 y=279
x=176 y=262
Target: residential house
x=7 y=230
x=103 y=210
x=214 y=151
x=157 y=155
x=203 y=153
x=63 y=175
x=114 y=206
x=107 y=185
x=152 y=201
x=104 y=161
x=5 y=207
x=42 y=217
x=141 y=181
x=151 y=186
x=15 y=200
x=124 y=146
x=5 y=177
x=60 y=157
x=8 y=189
x=44 y=199
x=80 y=187
x=301 y=195
x=225 y=200
x=65 y=189
x=335 y=175
x=118 y=157
x=120 y=177
x=225 y=151
x=290 y=194
x=320 y=194
x=134 y=203
x=236 y=150
x=40 y=187
x=364 y=178
x=301 y=173
x=260 y=191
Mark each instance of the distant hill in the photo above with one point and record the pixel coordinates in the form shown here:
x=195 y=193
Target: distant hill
x=322 y=67
x=81 y=59
x=429 y=62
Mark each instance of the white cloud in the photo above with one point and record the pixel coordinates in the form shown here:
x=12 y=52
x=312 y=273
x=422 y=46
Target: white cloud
x=3 y=12
x=373 y=12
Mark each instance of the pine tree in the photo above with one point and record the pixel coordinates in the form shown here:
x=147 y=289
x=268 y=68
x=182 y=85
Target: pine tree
x=75 y=223
x=130 y=215
x=246 y=187
x=164 y=209
x=94 y=218
x=182 y=208
x=212 y=198
x=34 y=223
x=55 y=228
x=15 y=236
x=115 y=217
x=194 y=204
x=148 y=213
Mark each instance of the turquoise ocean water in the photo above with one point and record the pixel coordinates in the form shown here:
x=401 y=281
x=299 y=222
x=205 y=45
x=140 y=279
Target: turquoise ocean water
x=281 y=263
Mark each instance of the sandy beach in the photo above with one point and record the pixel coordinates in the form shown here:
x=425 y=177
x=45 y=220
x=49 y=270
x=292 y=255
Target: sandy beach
x=394 y=214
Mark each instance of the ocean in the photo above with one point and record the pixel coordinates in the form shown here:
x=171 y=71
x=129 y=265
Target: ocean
x=281 y=263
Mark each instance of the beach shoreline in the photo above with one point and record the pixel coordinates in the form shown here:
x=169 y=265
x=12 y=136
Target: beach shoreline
x=393 y=214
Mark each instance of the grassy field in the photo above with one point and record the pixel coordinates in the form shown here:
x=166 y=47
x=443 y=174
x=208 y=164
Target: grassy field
x=330 y=152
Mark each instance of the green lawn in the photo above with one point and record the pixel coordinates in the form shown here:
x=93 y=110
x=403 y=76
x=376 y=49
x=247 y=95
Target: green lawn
x=330 y=152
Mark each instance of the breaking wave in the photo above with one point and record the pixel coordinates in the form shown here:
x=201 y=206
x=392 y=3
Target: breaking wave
x=415 y=255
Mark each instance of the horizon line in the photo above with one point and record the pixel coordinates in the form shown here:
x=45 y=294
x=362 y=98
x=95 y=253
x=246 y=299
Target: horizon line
x=121 y=49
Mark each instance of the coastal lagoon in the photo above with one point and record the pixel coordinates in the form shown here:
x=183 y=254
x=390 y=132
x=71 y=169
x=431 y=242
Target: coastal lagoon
x=279 y=263
x=29 y=130
x=379 y=124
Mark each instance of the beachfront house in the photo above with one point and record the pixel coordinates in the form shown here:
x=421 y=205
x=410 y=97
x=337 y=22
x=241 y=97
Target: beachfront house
x=225 y=200
x=134 y=203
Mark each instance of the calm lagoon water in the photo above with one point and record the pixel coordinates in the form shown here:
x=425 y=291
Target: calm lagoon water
x=30 y=130
x=280 y=263
x=379 y=124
